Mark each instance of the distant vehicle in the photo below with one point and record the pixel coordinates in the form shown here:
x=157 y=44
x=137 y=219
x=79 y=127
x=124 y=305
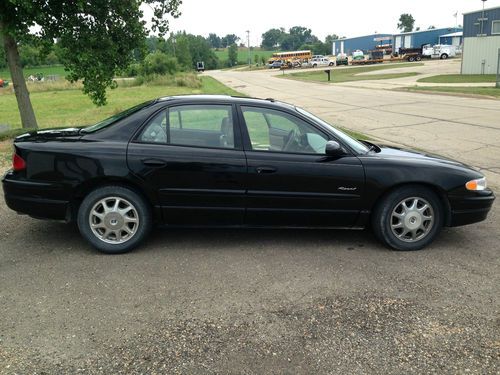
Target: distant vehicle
x=275 y=64
x=342 y=59
x=4 y=83
x=323 y=61
x=220 y=161
x=439 y=51
x=200 y=66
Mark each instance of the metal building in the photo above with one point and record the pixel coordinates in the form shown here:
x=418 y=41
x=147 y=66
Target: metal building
x=363 y=43
x=453 y=39
x=415 y=39
x=481 y=50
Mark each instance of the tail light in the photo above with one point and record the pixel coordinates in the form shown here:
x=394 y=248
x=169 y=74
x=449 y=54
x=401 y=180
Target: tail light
x=18 y=163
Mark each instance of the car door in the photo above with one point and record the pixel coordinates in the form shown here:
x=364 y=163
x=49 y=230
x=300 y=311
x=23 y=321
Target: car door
x=192 y=156
x=291 y=182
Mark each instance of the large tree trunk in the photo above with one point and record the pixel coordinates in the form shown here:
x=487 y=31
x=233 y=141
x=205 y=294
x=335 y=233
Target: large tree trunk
x=21 y=90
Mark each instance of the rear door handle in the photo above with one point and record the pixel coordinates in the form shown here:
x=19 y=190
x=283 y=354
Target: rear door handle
x=156 y=163
x=262 y=170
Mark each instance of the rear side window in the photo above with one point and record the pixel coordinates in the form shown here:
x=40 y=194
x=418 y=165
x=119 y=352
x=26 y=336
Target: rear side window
x=192 y=125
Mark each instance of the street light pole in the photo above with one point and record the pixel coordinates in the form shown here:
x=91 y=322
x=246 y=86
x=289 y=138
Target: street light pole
x=482 y=19
x=248 y=45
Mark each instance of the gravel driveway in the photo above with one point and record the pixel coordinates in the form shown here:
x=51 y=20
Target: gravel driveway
x=247 y=302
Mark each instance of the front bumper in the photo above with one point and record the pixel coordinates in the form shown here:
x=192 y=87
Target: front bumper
x=470 y=209
x=43 y=200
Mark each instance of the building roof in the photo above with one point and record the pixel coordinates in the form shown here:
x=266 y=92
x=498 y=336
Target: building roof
x=480 y=10
x=430 y=30
x=458 y=33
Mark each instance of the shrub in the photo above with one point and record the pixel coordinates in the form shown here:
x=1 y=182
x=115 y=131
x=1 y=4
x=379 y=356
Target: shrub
x=159 y=63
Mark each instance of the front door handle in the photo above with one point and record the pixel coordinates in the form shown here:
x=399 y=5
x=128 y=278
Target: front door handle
x=156 y=163
x=262 y=170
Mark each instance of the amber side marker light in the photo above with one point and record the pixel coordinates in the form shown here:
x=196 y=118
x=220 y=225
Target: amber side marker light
x=476 y=185
x=18 y=163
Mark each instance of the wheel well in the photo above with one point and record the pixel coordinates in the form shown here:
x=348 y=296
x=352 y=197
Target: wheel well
x=438 y=191
x=84 y=189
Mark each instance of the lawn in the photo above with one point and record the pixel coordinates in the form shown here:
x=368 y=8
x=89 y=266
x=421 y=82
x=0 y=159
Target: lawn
x=459 y=78
x=243 y=54
x=486 y=91
x=73 y=108
x=45 y=70
x=352 y=74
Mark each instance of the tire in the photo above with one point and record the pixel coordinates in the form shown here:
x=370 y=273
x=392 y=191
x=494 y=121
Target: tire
x=444 y=56
x=315 y=65
x=418 y=58
x=104 y=235
x=388 y=213
x=411 y=59
x=330 y=64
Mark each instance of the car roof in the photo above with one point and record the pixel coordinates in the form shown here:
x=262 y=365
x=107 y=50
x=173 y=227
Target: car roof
x=225 y=98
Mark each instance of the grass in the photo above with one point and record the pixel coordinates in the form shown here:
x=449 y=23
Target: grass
x=70 y=107
x=459 y=78
x=480 y=91
x=243 y=54
x=45 y=70
x=353 y=74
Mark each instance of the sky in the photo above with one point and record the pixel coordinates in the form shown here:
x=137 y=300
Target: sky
x=347 y=18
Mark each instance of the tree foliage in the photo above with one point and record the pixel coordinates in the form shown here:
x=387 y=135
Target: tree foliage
x=96 y=38
x=214 y=40
x=229 y=40
x=272 y=38
x=232 y=54
x=406 y=22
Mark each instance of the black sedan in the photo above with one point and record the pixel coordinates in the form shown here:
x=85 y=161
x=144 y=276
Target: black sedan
x=235 y=162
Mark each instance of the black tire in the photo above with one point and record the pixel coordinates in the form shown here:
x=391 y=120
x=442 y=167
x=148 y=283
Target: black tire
x=444 y=56
x=411 y=59
x=418 y=58
x=142 y=210
x=330 y=64
x=314 y=65
x=382 y=217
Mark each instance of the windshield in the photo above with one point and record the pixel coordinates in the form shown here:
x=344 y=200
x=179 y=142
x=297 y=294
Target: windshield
x=351 y=142
x=110 y=120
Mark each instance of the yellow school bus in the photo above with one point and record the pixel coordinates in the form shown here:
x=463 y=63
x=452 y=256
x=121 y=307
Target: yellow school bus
x=291 y=57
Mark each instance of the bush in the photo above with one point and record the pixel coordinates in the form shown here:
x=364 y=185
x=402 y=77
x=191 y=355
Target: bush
x=133 y=70
x=159 y=63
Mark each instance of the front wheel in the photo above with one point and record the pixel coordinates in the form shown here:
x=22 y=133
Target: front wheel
x=114 y=219
x=444 y=56
x=408 y=218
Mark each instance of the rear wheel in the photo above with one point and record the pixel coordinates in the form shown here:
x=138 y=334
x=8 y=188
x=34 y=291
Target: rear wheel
x=444 y=56
x=114 y=219
x=408 y=218
x=418 y=58
x=411 y=59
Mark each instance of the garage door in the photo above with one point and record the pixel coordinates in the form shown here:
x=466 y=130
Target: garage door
x=407 y=41
x=397 y=43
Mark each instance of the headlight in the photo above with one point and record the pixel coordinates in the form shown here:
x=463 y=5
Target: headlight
x=476 y=185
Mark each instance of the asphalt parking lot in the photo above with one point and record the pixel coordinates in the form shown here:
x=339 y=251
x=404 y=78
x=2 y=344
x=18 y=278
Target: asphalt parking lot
x=247 y=302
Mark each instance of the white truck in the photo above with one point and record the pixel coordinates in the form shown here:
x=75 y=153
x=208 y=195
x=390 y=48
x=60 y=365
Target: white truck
x=439 y=51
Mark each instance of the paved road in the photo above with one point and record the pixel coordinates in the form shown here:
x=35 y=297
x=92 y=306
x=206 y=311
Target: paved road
x=467 y=129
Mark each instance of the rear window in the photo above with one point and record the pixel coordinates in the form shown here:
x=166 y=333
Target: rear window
x=111 y=120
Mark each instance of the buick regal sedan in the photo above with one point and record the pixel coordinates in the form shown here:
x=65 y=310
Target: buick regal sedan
x=235 y=162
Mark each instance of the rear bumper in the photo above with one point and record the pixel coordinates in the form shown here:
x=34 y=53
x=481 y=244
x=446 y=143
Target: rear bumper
x=468 y=210
x=37 y=199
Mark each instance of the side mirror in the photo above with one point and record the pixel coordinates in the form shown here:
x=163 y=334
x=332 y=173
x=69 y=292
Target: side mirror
x=333 y=148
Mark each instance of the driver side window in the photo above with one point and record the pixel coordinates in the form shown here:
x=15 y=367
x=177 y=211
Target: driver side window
x=277 y=131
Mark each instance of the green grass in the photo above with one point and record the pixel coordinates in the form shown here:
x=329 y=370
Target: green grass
x=243 y=54
x=45 y=70
x=73 y=108
x=484 y=91
x=459 y=78
x=352 y=74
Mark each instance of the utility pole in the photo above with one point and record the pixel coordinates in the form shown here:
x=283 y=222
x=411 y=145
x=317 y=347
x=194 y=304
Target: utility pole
x=248 y=45
x=482 y=19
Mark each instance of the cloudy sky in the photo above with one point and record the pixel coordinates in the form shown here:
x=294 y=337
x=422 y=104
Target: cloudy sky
x=346 y=18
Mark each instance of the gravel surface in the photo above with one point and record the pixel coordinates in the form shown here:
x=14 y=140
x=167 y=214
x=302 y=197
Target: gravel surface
x=247 y=302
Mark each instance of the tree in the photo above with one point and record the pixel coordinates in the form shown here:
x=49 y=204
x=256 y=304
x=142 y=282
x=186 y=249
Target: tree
x=331 y=38
x=232 y=54
x=272 y=38
x=431 y=27
x=214 y=40
x=406 y=22
x=159 y=63
x=96 y=39
x=229 y=40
